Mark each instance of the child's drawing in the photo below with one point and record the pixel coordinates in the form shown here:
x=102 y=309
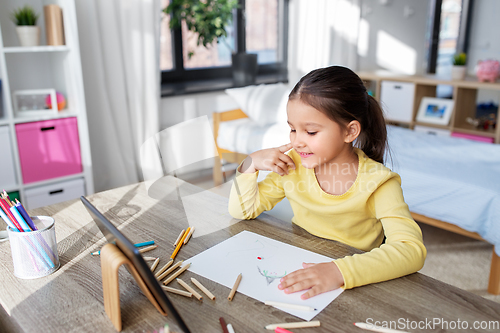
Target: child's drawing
x=245 y=252
x=270 y=276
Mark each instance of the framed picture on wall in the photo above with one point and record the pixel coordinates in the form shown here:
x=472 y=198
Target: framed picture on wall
x=435 y=110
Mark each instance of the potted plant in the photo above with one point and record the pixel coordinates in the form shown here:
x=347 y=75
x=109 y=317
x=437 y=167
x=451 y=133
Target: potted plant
x=458 y=69
x=28 y=32
x=209 y=19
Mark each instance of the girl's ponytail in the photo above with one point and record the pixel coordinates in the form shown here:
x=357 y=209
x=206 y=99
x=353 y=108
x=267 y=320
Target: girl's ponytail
x=373 y=137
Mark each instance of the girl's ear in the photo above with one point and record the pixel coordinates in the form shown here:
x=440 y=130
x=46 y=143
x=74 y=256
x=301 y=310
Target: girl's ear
x=352 y=131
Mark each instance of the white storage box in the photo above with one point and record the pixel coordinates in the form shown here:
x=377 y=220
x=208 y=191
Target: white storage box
x=397 y=100
x=432 y=130
x=7 y=174
x=54 y=193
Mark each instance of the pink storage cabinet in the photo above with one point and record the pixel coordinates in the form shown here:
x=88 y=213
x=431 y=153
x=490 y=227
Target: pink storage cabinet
x=48 y=149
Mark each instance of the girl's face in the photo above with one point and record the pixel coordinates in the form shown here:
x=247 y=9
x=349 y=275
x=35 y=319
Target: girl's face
x=318 y=140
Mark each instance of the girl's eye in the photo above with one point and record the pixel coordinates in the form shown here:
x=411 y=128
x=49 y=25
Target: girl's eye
x=292 y=131
x=312 y=133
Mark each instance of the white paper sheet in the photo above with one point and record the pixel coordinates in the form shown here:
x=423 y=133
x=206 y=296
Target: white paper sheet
x=262 y=262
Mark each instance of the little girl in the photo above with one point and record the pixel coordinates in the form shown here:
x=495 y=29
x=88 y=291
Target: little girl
x=338 y=188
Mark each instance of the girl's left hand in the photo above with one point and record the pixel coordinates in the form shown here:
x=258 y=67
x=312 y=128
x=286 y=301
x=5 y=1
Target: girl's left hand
x=319 y=278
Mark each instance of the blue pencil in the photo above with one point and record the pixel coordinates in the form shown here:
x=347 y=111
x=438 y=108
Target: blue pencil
x=136 y=245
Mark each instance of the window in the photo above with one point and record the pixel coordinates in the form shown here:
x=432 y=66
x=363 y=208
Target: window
x=259 y=26
x=450 y=30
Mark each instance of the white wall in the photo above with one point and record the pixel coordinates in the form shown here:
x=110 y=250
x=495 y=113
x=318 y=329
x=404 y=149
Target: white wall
x=484 y=41
x=393 y=36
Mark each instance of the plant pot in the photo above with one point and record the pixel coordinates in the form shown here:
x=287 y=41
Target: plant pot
x=29 y=35
x=244 y=68
x=458 y=72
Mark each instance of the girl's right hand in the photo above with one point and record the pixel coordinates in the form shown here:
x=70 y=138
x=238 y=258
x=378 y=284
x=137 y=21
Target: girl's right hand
x=272 y=159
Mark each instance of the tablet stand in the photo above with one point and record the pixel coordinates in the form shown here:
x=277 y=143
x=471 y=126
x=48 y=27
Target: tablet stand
x=111 y=260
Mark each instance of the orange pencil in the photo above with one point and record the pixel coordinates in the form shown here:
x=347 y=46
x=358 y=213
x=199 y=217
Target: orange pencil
x=180 y=244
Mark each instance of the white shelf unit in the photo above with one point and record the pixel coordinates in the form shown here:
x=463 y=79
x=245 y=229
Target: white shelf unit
x=43 y=67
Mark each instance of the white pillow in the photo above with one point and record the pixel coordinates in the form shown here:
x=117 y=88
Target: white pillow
x=260 y=103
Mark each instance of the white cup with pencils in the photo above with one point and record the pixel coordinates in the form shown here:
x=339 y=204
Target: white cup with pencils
x=34 y=253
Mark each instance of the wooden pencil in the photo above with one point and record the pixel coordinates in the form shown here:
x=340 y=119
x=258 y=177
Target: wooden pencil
x=202 y=288
x=153 y=267
x=299 y=324
x=191 y=290
x=149 y=258
x=177 y=291
x=167 y=265
x=179 y=244
x=176 y=274
x=160 y=277
x=189 y=235
x=233 y=291
x=179 y=237
x=148 y=248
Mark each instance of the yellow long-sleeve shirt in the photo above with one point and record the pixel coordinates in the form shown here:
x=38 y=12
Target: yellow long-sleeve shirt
x=372 y=207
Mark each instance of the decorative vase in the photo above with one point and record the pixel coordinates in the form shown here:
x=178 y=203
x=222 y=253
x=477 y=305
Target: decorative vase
x=458 y=72
x=29 y=35
x=244 y=68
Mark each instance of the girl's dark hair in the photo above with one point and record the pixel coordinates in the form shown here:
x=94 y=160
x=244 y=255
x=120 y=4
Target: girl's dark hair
x=341 y=95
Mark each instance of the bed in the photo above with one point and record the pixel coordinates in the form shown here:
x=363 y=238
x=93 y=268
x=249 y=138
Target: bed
x=450 y=183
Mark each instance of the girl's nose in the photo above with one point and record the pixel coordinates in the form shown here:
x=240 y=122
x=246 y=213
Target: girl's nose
x=298 y=142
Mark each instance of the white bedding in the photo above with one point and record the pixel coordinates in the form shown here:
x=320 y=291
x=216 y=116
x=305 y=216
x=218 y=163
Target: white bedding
x=450 y=179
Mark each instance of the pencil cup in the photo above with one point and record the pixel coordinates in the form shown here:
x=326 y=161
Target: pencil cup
x=34 y=253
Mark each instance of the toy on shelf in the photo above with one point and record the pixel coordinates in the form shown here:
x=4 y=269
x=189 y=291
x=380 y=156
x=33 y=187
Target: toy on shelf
x=487 y=70
x=61 y=101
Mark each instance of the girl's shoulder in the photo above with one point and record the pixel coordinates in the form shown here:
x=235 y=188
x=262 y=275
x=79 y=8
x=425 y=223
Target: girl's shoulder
x=373 y=169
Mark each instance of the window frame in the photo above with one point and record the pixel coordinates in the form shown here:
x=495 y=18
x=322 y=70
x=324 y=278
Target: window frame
x=179 y=74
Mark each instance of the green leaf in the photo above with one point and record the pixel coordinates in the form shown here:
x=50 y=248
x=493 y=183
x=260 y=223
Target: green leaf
x=207 y=18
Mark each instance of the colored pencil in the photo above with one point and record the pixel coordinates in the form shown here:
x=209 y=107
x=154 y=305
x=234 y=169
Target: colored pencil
x=281 y=330
x=176 y=274
x=179 y=237
x=235 y=286
x=299 y=324
x=223 y=325
x=179 y=244
x=189 y=235
x=149 y=248
x=191 y=290
x=170 y=270
x=373 y=328
x=153 y=267
x=202 y=288
x=177 y=291
x=167 y=265
x=290 y=306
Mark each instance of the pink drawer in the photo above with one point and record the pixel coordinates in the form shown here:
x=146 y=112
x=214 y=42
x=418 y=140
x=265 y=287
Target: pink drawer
x=49 y=149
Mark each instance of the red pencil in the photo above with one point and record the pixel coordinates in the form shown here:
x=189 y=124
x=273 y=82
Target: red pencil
x=6 y=209
x=223 y=324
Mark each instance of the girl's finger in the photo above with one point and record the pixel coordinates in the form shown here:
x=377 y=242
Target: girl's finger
x=311 y=293
x=285 y=148
x=288 y=160
x=307 y=265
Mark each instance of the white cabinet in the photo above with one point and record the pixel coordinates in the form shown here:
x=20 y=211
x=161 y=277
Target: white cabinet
x=397 y=100
x=43 y=67
x=54 y=193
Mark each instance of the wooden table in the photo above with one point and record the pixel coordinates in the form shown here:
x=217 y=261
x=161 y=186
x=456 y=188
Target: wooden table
x=71 y=300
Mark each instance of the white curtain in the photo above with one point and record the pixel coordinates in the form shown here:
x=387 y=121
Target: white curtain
x=323 y=33
x=119 y=45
